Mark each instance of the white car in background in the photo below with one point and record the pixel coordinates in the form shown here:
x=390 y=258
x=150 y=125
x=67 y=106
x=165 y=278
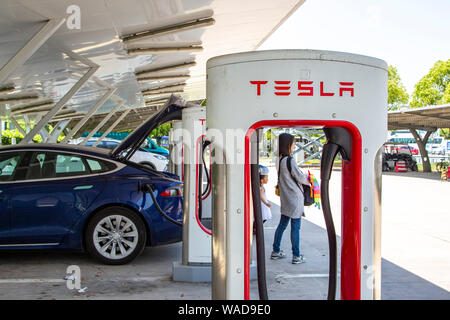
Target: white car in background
x=155 y=161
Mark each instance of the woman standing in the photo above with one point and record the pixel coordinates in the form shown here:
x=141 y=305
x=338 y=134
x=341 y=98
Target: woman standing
x=291 y=199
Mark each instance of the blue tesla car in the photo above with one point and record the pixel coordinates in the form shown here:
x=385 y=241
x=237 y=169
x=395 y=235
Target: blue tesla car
x=59 y=196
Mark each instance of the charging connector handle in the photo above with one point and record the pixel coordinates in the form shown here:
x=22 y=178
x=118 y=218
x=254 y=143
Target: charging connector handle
x=207 y=173
x=258 y=221
x=260 y=247
x=338 y=141
x=330 y=150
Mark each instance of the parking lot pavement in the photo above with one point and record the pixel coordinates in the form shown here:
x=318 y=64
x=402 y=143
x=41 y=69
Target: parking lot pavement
x=415 y=252
x=33 y=275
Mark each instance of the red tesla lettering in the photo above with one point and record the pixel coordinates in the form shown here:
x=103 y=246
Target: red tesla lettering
x=306 y=88
x=341 y=90
x=202 y=120
x=310 y=90
x=282 y=93
x=327 y=94
x=258 y=86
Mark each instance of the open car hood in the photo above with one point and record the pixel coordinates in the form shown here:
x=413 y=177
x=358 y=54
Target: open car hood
x=170 y=111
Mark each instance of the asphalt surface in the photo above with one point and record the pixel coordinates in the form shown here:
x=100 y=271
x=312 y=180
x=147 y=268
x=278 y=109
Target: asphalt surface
x=415 y=255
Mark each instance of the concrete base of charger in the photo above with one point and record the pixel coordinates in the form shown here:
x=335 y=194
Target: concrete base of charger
x=200 y=273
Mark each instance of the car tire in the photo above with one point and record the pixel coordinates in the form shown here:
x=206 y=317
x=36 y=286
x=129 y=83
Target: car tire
x=115 y=236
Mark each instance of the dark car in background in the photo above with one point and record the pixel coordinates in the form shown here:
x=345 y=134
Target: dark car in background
x=389 y=161
x=408 y=150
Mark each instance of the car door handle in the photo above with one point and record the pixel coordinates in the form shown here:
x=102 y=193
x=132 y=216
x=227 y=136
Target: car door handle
x=87 y=187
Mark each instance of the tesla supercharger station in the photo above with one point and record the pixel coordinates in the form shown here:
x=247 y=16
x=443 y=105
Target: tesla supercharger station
x=296 y=88
x=196 y=257
x=176 y=149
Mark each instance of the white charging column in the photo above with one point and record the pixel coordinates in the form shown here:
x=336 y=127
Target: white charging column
x=196 y=257
x=296 y=88
x=176 y=149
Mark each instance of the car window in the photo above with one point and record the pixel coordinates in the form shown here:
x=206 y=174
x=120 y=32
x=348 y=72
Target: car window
x=90 y=143
x=69 y=164
x=94 y=165
x=8 y=165
x=35 y=166
x=98 y=166
x=44 y=165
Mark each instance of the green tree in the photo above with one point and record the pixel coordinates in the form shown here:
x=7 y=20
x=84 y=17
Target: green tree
x=433 y=88
x=446 y=96
x=445 y=132
x=162 y=130
x=397 y=94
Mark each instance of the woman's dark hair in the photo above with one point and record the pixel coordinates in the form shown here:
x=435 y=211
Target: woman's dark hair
x=285 y=141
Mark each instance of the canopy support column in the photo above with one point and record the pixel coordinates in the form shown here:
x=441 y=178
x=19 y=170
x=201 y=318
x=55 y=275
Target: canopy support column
x=421 y=143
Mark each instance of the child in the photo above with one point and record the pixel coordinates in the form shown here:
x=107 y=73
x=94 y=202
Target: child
x=265 y=205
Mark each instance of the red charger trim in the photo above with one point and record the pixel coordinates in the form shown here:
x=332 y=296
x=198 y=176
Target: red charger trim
x=351 y=206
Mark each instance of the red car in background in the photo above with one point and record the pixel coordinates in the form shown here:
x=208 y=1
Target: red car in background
x=408 y=150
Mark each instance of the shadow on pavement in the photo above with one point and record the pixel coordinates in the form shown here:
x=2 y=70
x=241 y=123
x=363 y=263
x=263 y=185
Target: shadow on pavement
x=287 y=281
x=413 y=174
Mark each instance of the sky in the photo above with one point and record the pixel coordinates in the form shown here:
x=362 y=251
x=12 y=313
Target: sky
x=409 y=35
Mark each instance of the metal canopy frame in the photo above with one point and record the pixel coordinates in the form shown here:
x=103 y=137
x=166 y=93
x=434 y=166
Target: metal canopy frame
x=425 y=118
x=156 y=50
x=312 y=141
x=105 y=119
x=7 y=88
x=189 y=22
x=93 y=67
x=30 y=47
x=122 y=116
x=157 y=88
x=110 y=91
x=148 y=72
x=158 y=93
x=428 y=118
x=162 y=78
x=17 y=125
x=58 y=106
x=57 y=129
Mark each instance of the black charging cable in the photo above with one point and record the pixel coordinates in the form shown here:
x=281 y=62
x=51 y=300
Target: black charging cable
x=147 y=188
x=330 y=150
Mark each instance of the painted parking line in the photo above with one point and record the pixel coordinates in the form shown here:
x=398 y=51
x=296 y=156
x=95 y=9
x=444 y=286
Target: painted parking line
x=302 y=275
x=131 y=279
x=18 y=281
